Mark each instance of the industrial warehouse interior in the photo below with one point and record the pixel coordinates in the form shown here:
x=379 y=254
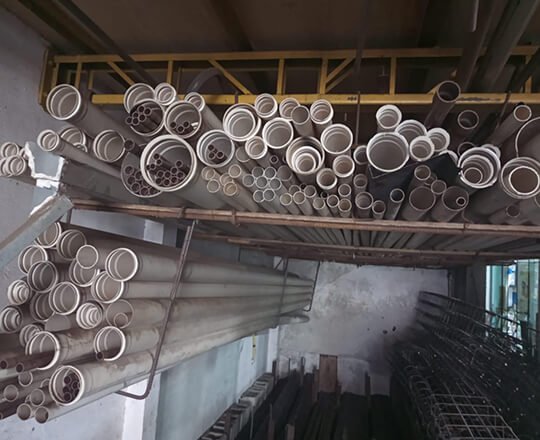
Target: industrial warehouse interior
x=287 y=219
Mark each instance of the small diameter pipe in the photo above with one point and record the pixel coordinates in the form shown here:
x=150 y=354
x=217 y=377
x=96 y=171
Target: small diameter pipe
x=363 y=202
x=421 y=148
x=8 y=149
x=80 y=276
x=302 y=122
x=336 y=139
x=388 y=117
x=327 y=180
x=321 y=113
x=241 y=122
x=512 y=123
x=257 y=150
x=509 y=215
x=444 y=99
x=12 y=319
x=464 y=127
x=89 y=315
x=378 y=209
x=360 y=183
x=75 y=136
x=286 y=176
x=411 y=129
x=463 y=147
x=108 y=146
x=34 y=378
x=438 y=187
x=277 y=134
x=395 y=200
x=237 y=173
x=345 y=211
x=387 y=152
x=42 y=277
x=49 y=237
x=209 y=117
x=421 y=176
x=287 y=106
x=360 y=158
x=165 y=94
x=50 y=141
x=241 y=195
x=344 y=191
x=40 y=309
x=218 y=141
x=440 y=138
x=343 y=167
x=136 y=93
x=266 y=106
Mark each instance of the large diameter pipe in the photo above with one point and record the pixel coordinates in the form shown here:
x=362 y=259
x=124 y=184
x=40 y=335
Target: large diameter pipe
x=287 y=106
x=388 y=117
x=136 y=93
x=420 y=201
x=257 y=150
x=277 y=134
x=50 y=141
x=31 y=255
x=440 y=138
x=212 y=142
x=387 y=152
x=266 y=106
x=241 y=122
x=421 y=148
x=66 y=103
x=410 y=129
x=48 y=238
x=241 y=195
x=183 y=119
x=337 y=140
x=321 y=113
x=164 y=93
x=444 y=99
x=89 y=315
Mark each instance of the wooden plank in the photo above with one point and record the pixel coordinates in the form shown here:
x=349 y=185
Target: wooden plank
x=328 y=373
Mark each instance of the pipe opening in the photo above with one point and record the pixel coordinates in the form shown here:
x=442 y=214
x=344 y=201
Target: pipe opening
x=448 y=91
x=344 y=190
x=438 y=187
x=110 y=342
x=215 y=149
x=388 y=152
x=19 y=292
x=50 y=236
x=11 y=393
x=287 y=106
x=64 y=298
x=8 y=149
x=165 y=94
x=255 y=148
x=213 y=186
x=270 y=173
x=310 y=191
x=332 y=201
x=31 y=255
x=397 y=195
x=40 y=308
x=275 y=185
x=37 y=397
x=183 y=119
x=89 y=315
x=305 y=163
x=524 y=180
x=343 y=166
x=388 y=117
x=468 y=119
x=378 y=207
x=513 y=211
x=473 y=175
x=522 y=113
x=27 y=333
x=266 y=106
x=421 y=148
x=80 y=276
x=300 y=115
x=69 y=243
x=421 y=198
x=344 y=205
x=268 y=195
x=363 y=200
x=24 y=411
x=59 y=379
x=326 y=178
x=42 y=343
x=411 y=129
x=87 y=256
x=422 y=172
x=360 y=181
x=119 y=314
x=360 y=154
x=230 y=189
x=106 y=289
x=10 y=319
x=108 y=146
x=240 y=123
x=42 y=276
x=64 y=102
x=321 y=112
x=137 y=93
x=278 y=133
x=73 y=135
x=337 y=139
x=440 y=138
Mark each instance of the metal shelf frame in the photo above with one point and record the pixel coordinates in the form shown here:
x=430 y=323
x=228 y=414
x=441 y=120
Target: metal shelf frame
x=332 y=68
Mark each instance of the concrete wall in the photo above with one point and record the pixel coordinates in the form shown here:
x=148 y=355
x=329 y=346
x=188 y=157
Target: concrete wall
x=357 y=314
x=21 y=118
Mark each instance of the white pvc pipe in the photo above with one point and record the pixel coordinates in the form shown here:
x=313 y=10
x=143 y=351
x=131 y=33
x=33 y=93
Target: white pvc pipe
x=29 y=256
x=13 y=166
x=19 y=292
x=302 y=121
x=69 y=243
x=136 y=93
x=40 y=309
x=420 y=201
x=60 y=323
x=327 y=180
x=266 y=106
x=411 y=129
x=64 y=298
x=186 y=115
x=89 y=315
x=12 y=319
x=421 y=148
x=66 y=103
x=287 y=106
x=453 y=201
x=81 y=276
x=219 y=140
x=28 y=331
x=440 y=138
x=48 y=238
x=388 y=117
x=277 y=134
x=209 y=117
x=241 y=122
x=519 y=116
x=343 y=167
x=336 y=139
x=42 y=277
x=8 y=149
x=50 y=141
x=321 y=113
x=165 y=94
x=108 y=146
x=257 y=150
x=387 y=152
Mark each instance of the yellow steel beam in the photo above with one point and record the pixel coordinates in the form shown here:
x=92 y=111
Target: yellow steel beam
x=323 y=75
x=281 y=77
x=78 y=73
x=276 y=55
x=339 y=79
x=170 y=71
x=232 y=79
x=393 y=76
x=339 y=69
x=121 y=73
x=468 y=99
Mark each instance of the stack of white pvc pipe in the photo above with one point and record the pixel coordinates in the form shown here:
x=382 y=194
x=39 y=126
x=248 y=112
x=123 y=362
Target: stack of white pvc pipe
x=13 y=162
x=84 y=319
x=290 y=158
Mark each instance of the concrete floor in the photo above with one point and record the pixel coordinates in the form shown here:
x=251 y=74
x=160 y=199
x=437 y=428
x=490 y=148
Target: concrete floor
x=357 y=314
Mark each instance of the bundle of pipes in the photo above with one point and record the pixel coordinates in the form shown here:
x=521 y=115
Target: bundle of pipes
x=83 y=321
x=288 y=158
